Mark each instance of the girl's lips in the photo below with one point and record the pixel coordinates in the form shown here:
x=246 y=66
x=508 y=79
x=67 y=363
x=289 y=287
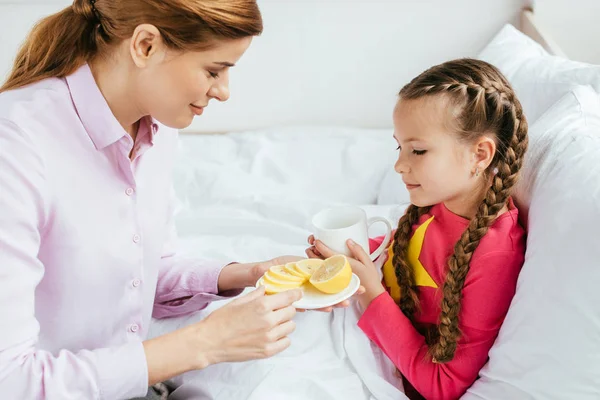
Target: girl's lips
x=197 y=110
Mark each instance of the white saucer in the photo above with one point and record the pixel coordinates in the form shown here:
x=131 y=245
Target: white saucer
x=312 y=298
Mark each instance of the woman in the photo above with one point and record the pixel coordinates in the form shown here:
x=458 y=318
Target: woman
x=88 y=121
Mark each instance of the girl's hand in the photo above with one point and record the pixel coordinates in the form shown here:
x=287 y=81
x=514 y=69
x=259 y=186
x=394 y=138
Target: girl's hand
x=361 y=265
x=312 y=251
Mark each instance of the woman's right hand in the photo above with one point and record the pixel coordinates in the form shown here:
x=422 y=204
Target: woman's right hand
x=251 y=327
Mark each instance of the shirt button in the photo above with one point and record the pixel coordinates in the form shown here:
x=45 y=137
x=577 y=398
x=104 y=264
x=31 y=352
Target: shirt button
x=133 y=328
x=136 y=282
x=136 y=238
x=129 y=191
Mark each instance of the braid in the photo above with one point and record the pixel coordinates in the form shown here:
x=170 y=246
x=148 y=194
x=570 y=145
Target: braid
x=409 y=293
x=458 y=265
x=488 y=105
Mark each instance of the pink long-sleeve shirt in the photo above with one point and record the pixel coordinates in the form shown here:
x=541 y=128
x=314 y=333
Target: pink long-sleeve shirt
x=87 y=244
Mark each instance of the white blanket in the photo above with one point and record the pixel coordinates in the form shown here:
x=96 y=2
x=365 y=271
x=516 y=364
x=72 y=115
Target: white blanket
x=330 y=358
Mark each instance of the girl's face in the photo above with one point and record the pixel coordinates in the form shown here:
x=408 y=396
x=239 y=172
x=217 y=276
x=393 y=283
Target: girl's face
x=435 y=165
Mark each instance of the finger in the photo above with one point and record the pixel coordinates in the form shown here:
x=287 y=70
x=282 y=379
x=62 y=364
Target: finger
x=275 y=348
x=342 y=304
x=358 y=252
x=311 y=239
x=326 y=309
x=283 y=315
x=312 y=253
x=253 y=295
x=281 y=331
x=324 y=250
x=283 y=299
x=360 y=290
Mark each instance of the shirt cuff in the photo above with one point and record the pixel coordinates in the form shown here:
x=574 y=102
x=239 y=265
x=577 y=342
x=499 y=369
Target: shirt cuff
x=122 y=371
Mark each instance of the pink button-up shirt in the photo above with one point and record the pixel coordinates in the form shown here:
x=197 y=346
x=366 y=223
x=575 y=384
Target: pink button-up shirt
x=86 y=244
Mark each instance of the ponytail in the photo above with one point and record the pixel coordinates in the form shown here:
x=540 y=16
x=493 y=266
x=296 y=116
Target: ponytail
x=61 y=43
x=57 y=46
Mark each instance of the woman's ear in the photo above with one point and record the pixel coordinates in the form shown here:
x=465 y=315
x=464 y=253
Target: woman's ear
x=146 y=43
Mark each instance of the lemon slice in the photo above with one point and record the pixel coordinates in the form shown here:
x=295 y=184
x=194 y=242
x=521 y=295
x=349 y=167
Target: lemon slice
x=333 y=276
x=273 y=289
x=280 y=273
x=291 y=268
x=308 y=267
x=273 y=280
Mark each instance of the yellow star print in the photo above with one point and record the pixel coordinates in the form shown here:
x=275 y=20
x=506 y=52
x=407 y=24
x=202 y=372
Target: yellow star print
x=422 y=277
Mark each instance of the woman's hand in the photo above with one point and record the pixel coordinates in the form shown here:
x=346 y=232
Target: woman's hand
x=361 y=265
x=251 y=327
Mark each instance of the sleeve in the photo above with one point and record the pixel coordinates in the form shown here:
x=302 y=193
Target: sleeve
x=185 y=284
x=27 y=372
x=374 y=243
x=486 y=298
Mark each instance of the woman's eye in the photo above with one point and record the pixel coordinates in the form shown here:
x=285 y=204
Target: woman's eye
x=419 y=152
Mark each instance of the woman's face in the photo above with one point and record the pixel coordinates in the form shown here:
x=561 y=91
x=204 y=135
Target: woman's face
x=174 y=87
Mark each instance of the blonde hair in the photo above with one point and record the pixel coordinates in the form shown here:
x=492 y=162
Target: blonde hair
x=484 y=104
x=62 y=42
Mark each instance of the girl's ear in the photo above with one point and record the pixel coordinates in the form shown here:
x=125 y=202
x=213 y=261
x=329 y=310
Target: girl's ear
x=483 y=152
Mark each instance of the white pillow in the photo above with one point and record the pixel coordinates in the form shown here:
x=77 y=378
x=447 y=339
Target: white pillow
x=549 y=345
x=283 y=165
x=538 y=78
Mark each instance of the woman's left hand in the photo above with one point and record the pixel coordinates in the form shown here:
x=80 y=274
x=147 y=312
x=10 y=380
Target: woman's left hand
x=361 y=265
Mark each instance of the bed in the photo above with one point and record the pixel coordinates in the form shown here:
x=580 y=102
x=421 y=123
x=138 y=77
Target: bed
x=309 y=126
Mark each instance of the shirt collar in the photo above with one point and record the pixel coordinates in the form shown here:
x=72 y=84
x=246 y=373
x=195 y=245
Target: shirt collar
x=93 y=110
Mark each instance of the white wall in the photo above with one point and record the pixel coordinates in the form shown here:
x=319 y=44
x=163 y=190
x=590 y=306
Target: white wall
x=341 y=62
x=574 y=25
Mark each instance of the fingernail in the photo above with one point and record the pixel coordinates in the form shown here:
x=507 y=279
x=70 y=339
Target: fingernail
x=351 y=242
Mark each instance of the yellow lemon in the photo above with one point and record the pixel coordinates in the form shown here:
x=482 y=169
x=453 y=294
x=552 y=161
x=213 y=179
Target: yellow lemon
x=280 y=272
x=291 y=268
x=273 y=289
x=273 y=280
x=308 y=267
x=333 y=276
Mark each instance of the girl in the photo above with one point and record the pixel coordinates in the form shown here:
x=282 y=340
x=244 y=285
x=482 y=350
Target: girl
x=88 y=121
x=451 y=271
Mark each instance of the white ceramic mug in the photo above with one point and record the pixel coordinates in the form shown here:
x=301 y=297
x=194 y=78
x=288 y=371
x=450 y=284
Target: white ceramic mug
x=334 y=226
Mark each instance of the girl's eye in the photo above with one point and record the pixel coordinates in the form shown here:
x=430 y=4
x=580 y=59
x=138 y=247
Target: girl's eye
x=214 y=74
x=419 y=152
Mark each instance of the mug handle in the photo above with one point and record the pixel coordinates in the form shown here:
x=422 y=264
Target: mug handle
x=386 y=239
